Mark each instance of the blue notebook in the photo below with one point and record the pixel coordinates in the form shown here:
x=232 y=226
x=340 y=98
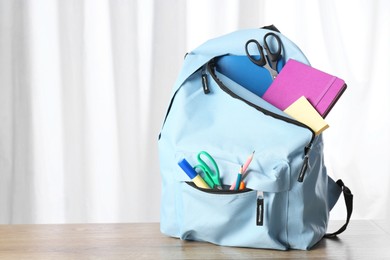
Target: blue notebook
x=244 y=72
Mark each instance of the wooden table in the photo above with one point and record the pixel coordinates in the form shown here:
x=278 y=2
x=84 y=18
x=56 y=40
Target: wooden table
x=362 y=240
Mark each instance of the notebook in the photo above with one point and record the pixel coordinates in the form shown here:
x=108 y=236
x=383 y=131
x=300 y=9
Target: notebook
x=243 y=71
x=305 y=113
x=296 y=79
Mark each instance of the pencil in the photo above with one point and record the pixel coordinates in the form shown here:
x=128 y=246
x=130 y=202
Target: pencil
x=243 y=171
x=248 y=161
x=238 y=181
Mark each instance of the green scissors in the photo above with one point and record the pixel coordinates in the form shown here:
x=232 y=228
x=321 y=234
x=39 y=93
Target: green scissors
x=209 y=176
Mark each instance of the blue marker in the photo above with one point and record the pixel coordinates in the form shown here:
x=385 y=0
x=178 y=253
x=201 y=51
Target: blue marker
x=194 y=176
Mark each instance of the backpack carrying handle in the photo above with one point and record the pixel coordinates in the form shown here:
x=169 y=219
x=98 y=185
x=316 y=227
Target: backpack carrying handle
x=271 y=27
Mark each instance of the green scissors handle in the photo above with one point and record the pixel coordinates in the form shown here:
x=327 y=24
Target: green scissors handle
x=210 y=177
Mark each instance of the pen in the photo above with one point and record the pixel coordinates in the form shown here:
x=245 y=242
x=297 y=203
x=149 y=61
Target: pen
x=194 y=176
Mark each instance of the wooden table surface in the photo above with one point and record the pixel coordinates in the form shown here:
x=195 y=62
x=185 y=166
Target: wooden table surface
x=363 y=240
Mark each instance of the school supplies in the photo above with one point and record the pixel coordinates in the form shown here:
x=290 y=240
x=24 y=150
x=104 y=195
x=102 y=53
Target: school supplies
x=244 y=172
x=255 y=71
x=238 y=181
x=247 y=162
x=270 y=60
x=305 y=113
x=194 y=176
x=210 y=175
x=288 y=197
x=238 y=67
x=297 y=79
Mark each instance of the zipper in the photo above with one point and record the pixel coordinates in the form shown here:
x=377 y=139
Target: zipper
x=225 y=189
x=167 y=113
x=210 y=66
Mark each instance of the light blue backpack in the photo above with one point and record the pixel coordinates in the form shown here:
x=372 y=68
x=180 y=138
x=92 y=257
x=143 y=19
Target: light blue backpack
x=288 y=194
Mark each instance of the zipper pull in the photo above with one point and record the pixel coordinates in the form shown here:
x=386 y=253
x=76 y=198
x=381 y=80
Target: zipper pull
x=205 y=82
x=304 y=168
x=305 y=163
x=260 y=208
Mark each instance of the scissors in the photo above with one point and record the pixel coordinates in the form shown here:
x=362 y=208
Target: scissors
x=210 y=176
x=271 y=62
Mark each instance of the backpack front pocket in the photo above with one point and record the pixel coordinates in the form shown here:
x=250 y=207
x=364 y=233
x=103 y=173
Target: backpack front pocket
x=231 y=218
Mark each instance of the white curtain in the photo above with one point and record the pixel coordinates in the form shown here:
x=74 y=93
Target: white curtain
x=84 y=86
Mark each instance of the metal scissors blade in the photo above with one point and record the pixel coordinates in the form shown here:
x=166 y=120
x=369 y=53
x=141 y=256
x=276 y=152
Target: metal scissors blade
x=273 y=56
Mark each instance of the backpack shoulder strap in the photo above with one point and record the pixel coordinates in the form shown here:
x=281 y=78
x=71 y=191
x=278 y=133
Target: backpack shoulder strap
x=348 y=198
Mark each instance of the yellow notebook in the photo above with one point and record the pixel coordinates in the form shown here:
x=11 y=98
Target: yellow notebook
x=305 y=113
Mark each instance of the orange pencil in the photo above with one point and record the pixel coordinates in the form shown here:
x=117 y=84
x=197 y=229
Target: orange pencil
x=242 y=185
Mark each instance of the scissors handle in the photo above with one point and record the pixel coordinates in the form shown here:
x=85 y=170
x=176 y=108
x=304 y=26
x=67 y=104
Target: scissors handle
x=261 y=60
x=273 y=56
x=210 y=175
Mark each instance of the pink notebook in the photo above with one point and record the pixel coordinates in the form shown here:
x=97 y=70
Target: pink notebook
x=296 y=79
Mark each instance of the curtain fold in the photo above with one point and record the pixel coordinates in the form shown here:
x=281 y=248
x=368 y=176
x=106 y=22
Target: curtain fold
x=84 y=88
x=16 y=136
